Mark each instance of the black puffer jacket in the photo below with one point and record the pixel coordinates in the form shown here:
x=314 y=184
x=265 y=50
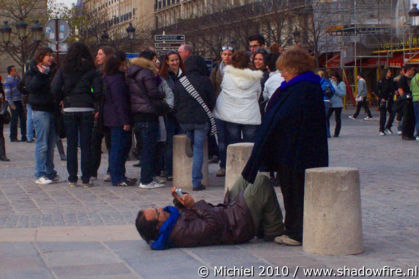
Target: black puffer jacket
x=37 y=85
x=143 y=89
x=189 y=111
x=81 y=90
x=385 y=89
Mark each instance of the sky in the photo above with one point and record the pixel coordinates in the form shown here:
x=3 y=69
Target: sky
x=68 y=3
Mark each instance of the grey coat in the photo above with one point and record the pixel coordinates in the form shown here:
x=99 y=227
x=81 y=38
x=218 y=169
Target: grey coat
x=340 y=93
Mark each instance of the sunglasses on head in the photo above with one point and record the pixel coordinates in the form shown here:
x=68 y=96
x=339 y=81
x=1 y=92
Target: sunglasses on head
x=227 y=47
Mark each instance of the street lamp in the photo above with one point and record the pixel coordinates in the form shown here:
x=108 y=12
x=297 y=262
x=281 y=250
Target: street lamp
x=5 y=31
x=131 y=32
x=37 y=29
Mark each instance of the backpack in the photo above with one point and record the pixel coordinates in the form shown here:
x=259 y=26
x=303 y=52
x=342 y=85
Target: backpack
x=328 y=91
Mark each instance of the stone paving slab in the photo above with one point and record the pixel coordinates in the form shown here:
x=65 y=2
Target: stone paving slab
x=54 y=231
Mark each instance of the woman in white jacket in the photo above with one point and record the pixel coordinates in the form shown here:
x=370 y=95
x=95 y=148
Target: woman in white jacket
x=237 y=103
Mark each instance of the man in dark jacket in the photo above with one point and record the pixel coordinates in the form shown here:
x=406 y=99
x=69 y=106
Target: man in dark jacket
x=145 y=99
x=191 y=114
x=247 y=209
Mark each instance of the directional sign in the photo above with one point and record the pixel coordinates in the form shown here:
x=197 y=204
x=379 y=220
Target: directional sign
x=169 y=38
x=168 y=45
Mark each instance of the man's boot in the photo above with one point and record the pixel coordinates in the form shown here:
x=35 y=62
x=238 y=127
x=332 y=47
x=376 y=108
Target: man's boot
x=3 y=150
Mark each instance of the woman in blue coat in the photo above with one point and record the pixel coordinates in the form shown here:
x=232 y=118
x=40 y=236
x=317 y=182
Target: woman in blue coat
x=292 y=137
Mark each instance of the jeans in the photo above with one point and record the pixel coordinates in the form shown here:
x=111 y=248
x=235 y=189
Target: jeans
x=29 y=123
x=234 y=131
x=172 y=128
x=222 y=143
x=78 y=123
x=338 y=119
x=197 y=136
x=416 y=108
x=120 y=146
x=97 y=136
x=363 y=103
x=148 y=131
x=326 y=110
x=18 y=114
x=44 y=123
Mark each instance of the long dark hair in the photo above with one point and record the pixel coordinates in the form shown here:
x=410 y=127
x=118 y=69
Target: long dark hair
x=113 y=63
x=78 y=59
x=164 y=68
x=336 y=74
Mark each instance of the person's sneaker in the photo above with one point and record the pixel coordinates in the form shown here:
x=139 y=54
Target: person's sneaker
x=221 y=172
x=399 y=132
x=56 y=179
x=87 y=185
x=188 y=147
x=43 y=181
x=107 y=178
x=408 y=138
x=417 y=138
x=93 y=178
x=160 y=179
x=72 y=184
x=382 y=133
x=131 y=181
x=121 y=184
x=199 y=188
x=388 y=132
x=351 y=117
x=151 y=185
x=369 y=118
x=286 y=240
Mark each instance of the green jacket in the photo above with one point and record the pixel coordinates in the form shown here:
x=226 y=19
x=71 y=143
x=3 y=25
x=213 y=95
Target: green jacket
x=414 y=87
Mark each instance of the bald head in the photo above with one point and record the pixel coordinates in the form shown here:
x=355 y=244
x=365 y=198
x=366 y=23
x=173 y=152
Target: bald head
x=185 y=51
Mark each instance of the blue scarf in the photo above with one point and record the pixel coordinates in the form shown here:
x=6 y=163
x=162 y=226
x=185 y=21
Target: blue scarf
x=162 y=242
x=307 y=76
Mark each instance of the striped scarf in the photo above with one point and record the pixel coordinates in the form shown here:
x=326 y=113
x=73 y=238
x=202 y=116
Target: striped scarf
x=192 y=91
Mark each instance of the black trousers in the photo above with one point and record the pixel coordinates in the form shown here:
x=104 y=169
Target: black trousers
x=338 y=119
x=2 y=143
x=385 y=107
x=408 y=124
x=96 y=150
x=363 y=103
x=18 y=114
x=292 y=187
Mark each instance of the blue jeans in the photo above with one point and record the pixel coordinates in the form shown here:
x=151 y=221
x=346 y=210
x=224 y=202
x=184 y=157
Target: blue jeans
x=416 y=108
x=222 y=143
x=78 y=124
x=172 y=129
x=197 y=136
x=234 y=131
x=148 y=131
x=44 y=123
x=29 y=123
x=120 y=147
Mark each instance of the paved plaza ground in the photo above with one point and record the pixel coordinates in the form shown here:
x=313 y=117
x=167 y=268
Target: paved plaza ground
x=54 y=231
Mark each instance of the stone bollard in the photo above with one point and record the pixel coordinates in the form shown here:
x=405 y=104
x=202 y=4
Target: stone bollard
x=237 y=156
x=332 y=212
x=182 y=164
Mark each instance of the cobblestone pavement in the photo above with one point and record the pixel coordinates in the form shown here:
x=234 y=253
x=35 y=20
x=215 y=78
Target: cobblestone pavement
x=54 y=231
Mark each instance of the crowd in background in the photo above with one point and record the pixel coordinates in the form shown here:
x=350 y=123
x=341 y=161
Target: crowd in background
x=155 y=98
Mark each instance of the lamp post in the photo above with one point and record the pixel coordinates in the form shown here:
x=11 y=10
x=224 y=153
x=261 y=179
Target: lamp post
x=131 y=33
x=19 y=53
x=104 y=37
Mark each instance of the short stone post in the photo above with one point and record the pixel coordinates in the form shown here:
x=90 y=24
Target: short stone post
x=332 y=211
x=237 y=156
x=182 y=164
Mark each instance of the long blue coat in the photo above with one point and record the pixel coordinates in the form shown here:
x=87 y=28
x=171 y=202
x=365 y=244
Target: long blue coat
x=293 y=130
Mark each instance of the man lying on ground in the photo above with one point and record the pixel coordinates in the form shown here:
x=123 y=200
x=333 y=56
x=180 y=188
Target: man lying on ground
x=248 y=209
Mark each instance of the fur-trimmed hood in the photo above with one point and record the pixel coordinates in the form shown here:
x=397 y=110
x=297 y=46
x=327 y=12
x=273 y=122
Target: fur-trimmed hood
x=137 y=64
x=243 y=78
